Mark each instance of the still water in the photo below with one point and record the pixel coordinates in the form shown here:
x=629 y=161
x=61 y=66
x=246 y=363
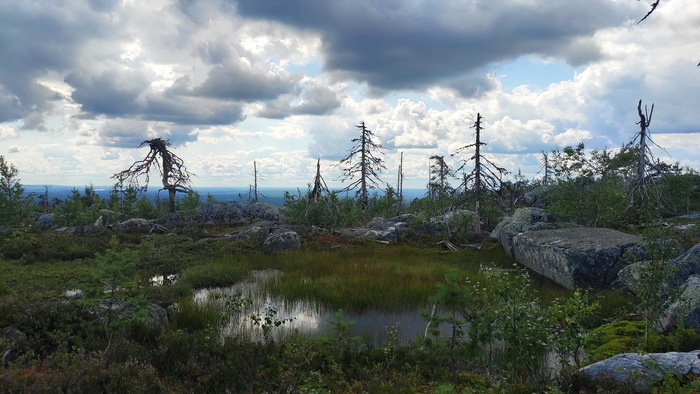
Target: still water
x=372 y=326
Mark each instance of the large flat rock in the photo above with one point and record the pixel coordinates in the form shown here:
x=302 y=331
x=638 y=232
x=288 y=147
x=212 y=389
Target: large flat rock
x=575 y=257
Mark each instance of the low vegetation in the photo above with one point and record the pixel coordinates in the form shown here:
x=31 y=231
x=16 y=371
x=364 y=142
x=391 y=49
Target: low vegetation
x=80 y=313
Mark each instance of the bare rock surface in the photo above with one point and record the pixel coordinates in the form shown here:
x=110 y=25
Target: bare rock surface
x=644 y=370
x=575 y=257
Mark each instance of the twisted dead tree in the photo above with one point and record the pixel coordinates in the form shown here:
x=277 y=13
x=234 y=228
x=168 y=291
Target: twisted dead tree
x=320 y=186
x=174 y=174
x=366 y=167
x=485 y=176
x=646 y=168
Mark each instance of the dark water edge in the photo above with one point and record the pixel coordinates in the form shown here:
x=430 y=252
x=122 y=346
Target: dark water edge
x=270 y=195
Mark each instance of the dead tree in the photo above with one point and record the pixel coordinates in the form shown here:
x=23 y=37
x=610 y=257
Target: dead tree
x=653 y=8
x=255 y=182
x=645 y=165
x=546 y=167
x=320 y=186
x=174 y=174
x=367 y=167
x=438 y=184
x=485 y=176
x=399 y=187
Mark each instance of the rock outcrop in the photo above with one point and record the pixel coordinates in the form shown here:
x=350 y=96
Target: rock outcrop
x=45 y=221
x=643 y=371
x=685 y=277
x=524 y=219
x=575 y=257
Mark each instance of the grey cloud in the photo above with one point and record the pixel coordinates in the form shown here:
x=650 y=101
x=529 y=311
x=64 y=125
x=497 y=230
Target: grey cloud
x=37 y=38
x=109 y=93
x=394 y=44
x=127 y=133
x=121 y=94
x=472 y=85
x=236 y=83
x=318 y=100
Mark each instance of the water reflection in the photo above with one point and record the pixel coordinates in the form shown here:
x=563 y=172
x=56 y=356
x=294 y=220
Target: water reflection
x=309 y=316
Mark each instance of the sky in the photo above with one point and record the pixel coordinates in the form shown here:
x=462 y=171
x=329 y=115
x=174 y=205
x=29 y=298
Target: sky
x=283 y=83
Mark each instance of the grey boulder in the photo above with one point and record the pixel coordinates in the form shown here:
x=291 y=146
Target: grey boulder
x=577 y=257
x=643 y=371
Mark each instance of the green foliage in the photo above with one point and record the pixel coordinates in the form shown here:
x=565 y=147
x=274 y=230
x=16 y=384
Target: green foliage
x=590 y=189
x=14 y=205
x=268 y=322
x=189 y=204
x=571 y=320
x=115 y=277
x=653 y=274
x=329 y=211
x=79 y=209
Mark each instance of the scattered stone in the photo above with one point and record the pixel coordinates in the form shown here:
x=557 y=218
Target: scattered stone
x=106 y=219
x=282 y=241
x=11 y=338
x=157 y=316
x=256 y=233
x=45 y=221
x=135 y=225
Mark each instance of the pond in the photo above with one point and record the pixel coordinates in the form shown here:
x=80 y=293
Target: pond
x=373 y=326
x=383 y=289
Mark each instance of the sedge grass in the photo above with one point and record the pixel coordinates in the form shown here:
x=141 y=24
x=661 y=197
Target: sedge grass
x=369 y=275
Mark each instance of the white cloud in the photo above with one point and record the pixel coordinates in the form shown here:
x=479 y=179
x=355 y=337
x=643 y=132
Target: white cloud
x=572 y=137
x=7 y=132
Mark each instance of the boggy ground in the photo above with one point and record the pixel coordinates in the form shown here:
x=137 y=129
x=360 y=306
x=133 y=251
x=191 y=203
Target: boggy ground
x=52 y=342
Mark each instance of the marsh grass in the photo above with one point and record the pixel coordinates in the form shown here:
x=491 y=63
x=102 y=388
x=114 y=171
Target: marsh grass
x=220 y=272
x=372 y=275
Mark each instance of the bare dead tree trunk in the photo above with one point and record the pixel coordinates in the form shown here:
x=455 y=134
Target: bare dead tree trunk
x=399 y=187
x=643 y=159
x=485 y=175
x=255 y=182
x=477 y=175
x=319 y=185
x=546 y=167
x=367 y=167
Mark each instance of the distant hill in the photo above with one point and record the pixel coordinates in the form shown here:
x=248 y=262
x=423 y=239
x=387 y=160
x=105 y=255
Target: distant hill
x=271 y=195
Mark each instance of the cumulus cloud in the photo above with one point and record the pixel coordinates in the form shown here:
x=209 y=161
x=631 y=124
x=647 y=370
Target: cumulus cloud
x=572 y=137
x=127 y=133
x=7 y=132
